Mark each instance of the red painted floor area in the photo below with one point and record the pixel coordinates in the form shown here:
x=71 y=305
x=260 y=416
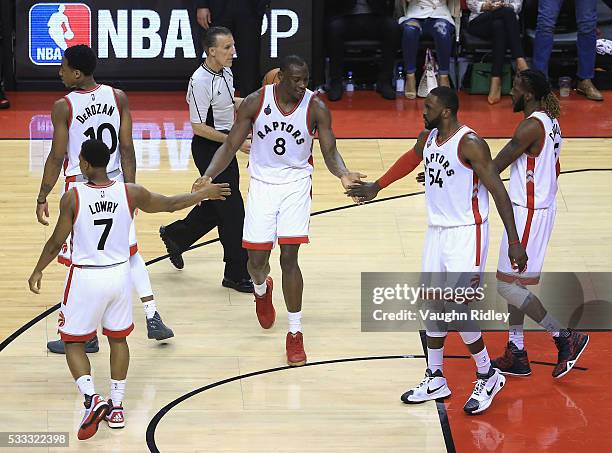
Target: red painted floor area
x=535 y=413
x=362 y=115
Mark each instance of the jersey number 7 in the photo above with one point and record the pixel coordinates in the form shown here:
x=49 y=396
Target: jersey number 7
x=108 y=223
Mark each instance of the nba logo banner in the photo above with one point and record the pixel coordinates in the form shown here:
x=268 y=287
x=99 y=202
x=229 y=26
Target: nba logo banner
x=56 y=26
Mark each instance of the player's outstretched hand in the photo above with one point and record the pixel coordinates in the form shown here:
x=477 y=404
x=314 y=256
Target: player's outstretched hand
x=363 y=191
x=216 y=191
x=42 y=211
x=351 y=177
x=518 y=257
x=199 y=183
x=421 y=177
x=34 y=281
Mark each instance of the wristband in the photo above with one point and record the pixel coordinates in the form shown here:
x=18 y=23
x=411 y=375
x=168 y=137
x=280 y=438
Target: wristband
x=511 y=243
x=41 y=202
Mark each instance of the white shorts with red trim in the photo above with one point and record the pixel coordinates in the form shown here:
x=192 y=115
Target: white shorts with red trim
x=455 y=256
x=65 y=254
x=96 y=296
x=277 y=211
x=534 y=227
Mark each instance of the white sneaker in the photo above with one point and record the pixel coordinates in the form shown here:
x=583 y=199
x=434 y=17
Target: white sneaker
x=432 y=387
x=487 y=386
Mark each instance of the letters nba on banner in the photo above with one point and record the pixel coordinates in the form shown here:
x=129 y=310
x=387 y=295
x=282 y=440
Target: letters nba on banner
x=141 y=39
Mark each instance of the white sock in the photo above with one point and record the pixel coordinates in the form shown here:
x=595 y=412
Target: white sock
x=150 y=308
x=435 y=359
x=117 y=391
x=295 y=322
x=551 y=324
x=483 y=362
x=260 y=290
x=516 y=336
x=86 y=385
x=140 y=276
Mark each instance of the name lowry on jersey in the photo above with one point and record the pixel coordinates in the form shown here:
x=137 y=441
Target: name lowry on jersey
x=282 y=126
x=103 y=206
x=95 y=109
x=435 y=160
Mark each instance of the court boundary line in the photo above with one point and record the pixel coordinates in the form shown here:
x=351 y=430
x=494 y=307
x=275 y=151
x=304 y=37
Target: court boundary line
x=447 y=433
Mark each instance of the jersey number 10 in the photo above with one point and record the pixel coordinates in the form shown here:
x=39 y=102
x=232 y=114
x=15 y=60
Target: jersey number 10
x=99 y=135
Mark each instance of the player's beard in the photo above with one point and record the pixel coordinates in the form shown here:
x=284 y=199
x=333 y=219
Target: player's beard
x=433 y=123
x=519 y=105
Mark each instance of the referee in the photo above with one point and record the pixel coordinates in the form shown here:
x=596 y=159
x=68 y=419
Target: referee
x=210 y=96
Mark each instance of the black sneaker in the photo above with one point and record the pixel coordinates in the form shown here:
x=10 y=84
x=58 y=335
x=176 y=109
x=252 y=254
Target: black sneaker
x=514 y=361
x=58 y=346
x=172 y=248
x=242 y=286
x=570 y=345
x=335 y=91
x=157 y=330
x=386 y=90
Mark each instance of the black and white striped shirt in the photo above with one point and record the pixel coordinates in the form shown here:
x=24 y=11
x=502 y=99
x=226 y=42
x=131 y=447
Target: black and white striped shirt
x=210 y=96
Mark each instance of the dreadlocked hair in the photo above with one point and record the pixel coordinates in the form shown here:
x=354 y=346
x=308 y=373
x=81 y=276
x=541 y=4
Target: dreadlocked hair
x=536 y=82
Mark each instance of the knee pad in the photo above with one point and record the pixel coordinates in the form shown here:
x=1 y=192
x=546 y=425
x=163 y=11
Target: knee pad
x=470 y=337
x=514 y=294
x=436 y=334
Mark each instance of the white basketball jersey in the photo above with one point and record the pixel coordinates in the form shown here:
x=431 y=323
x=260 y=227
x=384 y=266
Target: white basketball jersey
x=281 y=150
x=94 y=114
x=453 y=192
x=100 y=234
x=533 y=179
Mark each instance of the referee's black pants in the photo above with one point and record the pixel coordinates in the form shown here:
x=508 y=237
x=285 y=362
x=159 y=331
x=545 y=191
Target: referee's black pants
x=227 y=215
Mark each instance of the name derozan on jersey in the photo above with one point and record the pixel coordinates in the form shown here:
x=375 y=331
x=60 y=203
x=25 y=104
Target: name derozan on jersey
x=95 y=109
x=103 y=206
x=283 y=126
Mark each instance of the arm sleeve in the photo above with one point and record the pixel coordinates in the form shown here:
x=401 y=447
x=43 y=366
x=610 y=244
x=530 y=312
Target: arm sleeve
x=198 y=98
x=402 y=167
x=202 y=4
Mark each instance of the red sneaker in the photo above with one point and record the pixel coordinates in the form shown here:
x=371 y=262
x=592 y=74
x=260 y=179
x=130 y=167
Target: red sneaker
x=94 y=414
x=115 y=418
x=295 y=349
x=264 y=307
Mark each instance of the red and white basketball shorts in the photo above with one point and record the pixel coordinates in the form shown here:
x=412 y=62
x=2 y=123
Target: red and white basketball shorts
x=277 y=211
x=534 y=228
x=455 y=257
x=65 y=254
x=96 y=296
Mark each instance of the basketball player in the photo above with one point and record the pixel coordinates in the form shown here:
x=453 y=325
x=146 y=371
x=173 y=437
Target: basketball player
x=533 y=153
x=459 y=172
x=99 y=215
x=93 y=110
x=284 y=118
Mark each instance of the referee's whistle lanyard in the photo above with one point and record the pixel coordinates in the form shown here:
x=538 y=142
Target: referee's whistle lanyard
x=222 y=76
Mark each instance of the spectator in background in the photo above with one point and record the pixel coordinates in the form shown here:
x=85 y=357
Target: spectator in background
x=243 y=18
x=586 y=21
x=435 y=18
x=361 y=19
x=4 y=102
x=498 y=21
